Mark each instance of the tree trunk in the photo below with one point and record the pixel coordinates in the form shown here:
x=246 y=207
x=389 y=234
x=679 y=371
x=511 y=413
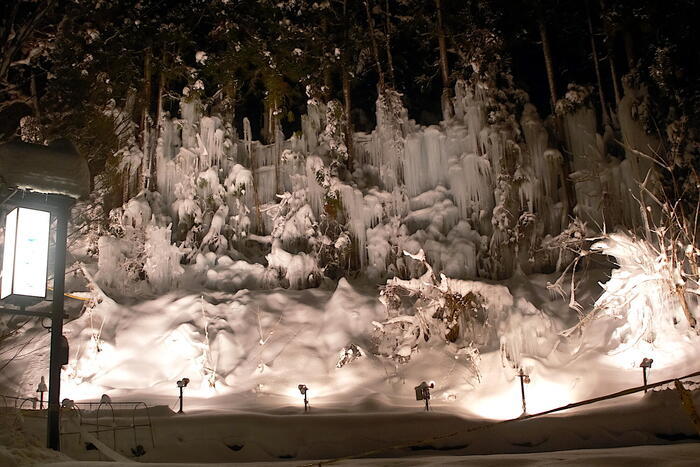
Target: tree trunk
x=375 y=48
x=613 y=76
x=596 y=66
x=549 y=64
x=347 y=109
x=145 y=119
x=629 y=49
x=347 y=97
x=387 y=44
x=327 y=75
x=447 y=111
x=35 y=97
x=153 y=169
x=610 y=32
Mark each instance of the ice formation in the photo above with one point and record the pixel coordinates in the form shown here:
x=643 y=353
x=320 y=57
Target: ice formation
x=479 y=195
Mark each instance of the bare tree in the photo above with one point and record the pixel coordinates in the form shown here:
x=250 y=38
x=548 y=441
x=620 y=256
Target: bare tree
x=20 y=25
x=548 y=62
x=596 y=67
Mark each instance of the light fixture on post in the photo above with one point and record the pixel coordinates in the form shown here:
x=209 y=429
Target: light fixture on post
x=41 y=389
x=524 y=379
x=423 y=393
x=646 y=364
x=304 y=390
x=25 y=258
x=182 y=383
x=39 y=186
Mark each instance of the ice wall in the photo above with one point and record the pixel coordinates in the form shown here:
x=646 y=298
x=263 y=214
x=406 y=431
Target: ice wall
x=438 y=188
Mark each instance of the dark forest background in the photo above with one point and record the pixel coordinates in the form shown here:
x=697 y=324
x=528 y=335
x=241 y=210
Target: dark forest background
x=66 y=63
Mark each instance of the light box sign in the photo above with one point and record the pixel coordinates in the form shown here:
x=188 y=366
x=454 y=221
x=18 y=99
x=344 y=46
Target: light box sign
x=25 y=253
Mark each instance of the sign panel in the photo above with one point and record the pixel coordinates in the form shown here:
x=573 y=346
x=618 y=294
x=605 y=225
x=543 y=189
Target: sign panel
x=26 y=253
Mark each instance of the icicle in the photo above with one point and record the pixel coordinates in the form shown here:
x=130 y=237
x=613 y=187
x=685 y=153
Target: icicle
x=166 y=152
x=580 y=128
x=436 y=157
x=315 y=192
x=212 y=136
x=267 y=184
x=353 y=203
x=470 y=183
x=426 y=164
x=460 y=99
x=162 y=265
x=191 y=112
x=247 y=135
x=414 y=166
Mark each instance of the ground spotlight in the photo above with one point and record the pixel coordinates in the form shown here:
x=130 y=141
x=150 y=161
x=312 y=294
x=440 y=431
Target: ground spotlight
x=524 y=379
x=646 y=363
x=303 y=389
x=182 y=384
x=423 y=393
x=41 y=389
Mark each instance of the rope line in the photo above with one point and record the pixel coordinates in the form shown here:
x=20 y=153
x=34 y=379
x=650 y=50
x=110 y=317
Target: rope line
x=74 y=297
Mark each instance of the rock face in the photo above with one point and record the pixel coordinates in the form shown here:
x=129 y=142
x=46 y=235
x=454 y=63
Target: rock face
x=57 y=168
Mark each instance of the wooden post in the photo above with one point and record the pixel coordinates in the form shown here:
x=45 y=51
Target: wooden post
x=53 y=433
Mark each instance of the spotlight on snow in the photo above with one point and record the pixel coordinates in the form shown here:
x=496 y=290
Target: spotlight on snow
x=524 y=379
x=41 y=389
x=182 y=384
x=67 y=403
x=646 y=363
x=423 y=393
x=303 y=390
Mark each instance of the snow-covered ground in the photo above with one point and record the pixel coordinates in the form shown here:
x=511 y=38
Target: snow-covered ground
x=652 y=430
x=677 y=455
x=246 y=353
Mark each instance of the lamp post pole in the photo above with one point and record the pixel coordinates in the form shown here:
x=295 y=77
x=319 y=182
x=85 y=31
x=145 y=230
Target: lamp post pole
x=59 y=282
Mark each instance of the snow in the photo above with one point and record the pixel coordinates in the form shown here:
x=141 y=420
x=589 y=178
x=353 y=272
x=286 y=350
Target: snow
x=246 y=347
x=56 y=168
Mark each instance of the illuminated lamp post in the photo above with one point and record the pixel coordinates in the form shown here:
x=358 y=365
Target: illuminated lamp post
x=38 y=186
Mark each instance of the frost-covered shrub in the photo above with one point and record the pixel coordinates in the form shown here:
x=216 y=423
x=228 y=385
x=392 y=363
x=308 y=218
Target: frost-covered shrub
x=215 y=239
x=294 y=241
x=334 y=133
x=123 y=254
x=348 y=354
x=116 y=268
x=646 y=294
x=300 y=270
x=466 y=317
